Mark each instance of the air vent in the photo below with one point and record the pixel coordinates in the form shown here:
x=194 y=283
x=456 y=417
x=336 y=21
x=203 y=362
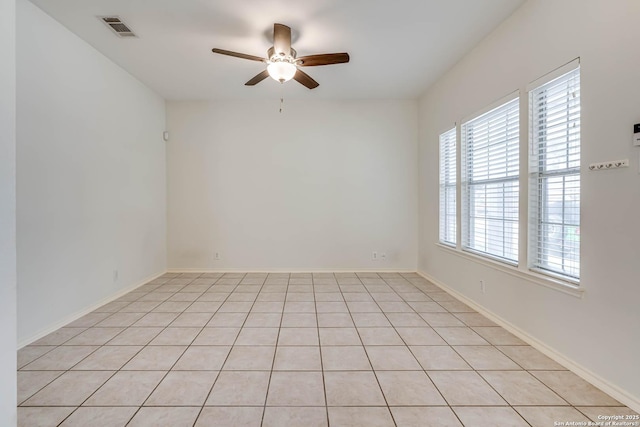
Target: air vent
x=117 y=26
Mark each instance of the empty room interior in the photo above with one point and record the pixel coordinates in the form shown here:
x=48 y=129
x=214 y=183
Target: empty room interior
x=319 y=213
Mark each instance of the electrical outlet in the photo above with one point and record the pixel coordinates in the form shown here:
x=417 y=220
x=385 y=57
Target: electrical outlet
x=383 y=256
x=218 y=257
x=482 y=287
x=374 y=255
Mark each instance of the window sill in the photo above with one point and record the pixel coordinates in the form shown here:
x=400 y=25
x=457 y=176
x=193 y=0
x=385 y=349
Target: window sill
x=528 y=275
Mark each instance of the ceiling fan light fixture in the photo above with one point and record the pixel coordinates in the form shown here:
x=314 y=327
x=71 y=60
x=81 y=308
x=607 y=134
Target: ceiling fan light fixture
x=281 y=71
x=283 y=62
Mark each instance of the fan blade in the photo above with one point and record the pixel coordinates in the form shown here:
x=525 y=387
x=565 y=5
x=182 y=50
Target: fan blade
x=324 y=59
x=305 y=80
x=257 y=79
x=282 y=39
x=238 y=55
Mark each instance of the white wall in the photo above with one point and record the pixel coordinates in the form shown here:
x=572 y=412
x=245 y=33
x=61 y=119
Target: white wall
x=601 y=331
x=318 y=187
x=91 y=175
x=7 y=214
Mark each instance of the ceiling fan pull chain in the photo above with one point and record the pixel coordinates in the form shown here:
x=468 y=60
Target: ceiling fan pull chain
x=281 y=97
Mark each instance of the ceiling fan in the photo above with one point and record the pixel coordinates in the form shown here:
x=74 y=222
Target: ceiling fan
x=282 y=62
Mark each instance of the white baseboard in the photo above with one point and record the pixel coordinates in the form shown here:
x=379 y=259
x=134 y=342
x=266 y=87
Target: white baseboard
x=75 y=316
x=612 y=390
x=290 y=270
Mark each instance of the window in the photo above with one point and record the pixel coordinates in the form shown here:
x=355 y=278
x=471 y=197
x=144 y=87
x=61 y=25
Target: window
x=490 y=183
x=554 y=206
x=448 y=187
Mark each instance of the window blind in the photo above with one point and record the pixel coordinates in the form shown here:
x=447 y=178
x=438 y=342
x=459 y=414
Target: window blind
x=490 y=175
x=554 y=205
x=448 y=187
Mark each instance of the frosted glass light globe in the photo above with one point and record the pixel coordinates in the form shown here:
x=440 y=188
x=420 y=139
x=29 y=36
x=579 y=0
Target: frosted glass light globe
x=281 y=71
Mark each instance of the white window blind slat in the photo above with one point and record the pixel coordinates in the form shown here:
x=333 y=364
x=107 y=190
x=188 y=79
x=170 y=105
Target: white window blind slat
x=490 y=188
x=554 y=179
x=448 y=215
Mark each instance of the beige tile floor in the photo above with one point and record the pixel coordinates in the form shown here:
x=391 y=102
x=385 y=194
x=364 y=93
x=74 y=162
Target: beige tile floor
x=283 y=349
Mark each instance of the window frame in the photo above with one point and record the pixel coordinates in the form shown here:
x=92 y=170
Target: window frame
x=539 y=176
x=448 y=181
x=508 y=103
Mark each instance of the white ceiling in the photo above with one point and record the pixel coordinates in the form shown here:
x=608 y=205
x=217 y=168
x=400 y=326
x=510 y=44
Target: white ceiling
x=398 y=48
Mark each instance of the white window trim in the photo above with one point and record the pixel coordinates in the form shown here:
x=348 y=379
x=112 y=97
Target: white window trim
x=566 y=281
x=456 y=185
x=522 y=270
x=461 y=151
x=521 y=273
x=552 y=75
x=492 y=106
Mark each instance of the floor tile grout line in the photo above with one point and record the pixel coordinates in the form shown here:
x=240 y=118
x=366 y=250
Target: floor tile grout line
x=88 y=397
x=455 y=414
x=163 y=328
x=342 y=294
x=167 y=371
x=41 y=388
x=204 y=403
x=67 y=371
x=403 y=340
x=275 y=352
x=476 y=372
x=324 y=383
x=178 y=359
x=436 y=386
x=54 y=345
x=370 y=363
x=409 y=347
x=77 y=363
x=116 y=371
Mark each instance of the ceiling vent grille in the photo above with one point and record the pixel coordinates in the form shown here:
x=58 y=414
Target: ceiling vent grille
x=117 y=26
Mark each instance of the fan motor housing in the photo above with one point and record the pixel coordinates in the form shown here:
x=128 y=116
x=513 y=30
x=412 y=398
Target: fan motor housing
x=273 y=56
